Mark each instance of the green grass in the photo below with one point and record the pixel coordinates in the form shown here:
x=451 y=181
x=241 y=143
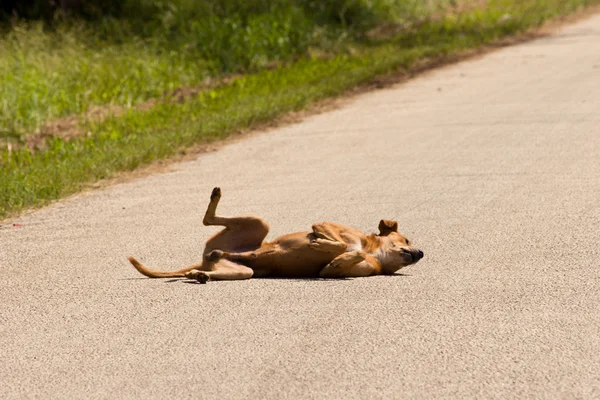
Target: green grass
x=73 y=75
x=157 y=46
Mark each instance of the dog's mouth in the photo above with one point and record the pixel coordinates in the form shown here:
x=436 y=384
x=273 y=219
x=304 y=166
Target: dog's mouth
x=411 y=256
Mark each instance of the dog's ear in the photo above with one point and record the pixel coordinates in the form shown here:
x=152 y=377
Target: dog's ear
x=386 y=227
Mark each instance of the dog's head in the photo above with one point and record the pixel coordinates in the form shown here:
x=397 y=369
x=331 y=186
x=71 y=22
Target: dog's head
x=395 y=251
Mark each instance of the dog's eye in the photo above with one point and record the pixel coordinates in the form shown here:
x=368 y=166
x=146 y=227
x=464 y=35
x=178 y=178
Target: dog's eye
x=407 y=242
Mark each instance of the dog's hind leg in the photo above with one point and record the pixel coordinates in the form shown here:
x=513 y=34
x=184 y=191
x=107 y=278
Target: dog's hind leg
x=223 y=270
x=240 y=234
x=245 y=256
x=210 y=217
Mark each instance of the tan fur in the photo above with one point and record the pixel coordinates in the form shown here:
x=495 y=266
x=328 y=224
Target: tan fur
x=330 y=250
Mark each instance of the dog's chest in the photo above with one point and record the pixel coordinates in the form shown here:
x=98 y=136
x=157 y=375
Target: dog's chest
x=354 y=246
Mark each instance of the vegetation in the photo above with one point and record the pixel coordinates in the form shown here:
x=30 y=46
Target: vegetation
x=88 y=91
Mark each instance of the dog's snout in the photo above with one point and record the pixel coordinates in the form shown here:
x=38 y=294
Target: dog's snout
x=420 y=254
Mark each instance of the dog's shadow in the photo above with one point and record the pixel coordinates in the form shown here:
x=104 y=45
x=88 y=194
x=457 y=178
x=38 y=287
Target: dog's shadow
x=272 y=278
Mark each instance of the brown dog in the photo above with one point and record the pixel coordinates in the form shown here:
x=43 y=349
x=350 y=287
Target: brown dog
x=330 y=251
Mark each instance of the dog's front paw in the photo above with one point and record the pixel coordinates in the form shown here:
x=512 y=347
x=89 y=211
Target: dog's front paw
x=320 y=244
x=314 y=244
x=200 y=276
x=216 y=193
x=335 y=264
x=327 y=246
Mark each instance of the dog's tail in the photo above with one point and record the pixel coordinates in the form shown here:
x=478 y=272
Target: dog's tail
x=150 y=273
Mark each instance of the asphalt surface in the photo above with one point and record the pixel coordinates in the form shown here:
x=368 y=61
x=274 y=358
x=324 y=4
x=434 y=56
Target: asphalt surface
x=491 y=166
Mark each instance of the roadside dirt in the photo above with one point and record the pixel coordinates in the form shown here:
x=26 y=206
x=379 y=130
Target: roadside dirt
x=72 y=126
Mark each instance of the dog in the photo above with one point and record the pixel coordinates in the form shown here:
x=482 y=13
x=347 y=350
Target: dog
x=330 y=250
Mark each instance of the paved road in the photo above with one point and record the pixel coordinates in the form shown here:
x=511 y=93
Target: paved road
x=492 y=166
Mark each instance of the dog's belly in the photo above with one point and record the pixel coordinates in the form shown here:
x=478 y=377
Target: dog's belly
x=290 y=256
x=301 y=264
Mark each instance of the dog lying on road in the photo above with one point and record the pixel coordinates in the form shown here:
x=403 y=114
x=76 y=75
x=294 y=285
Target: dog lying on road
x=330 y=251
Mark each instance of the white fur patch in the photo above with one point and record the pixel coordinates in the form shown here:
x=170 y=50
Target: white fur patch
x=354 y=247
x=384 y=257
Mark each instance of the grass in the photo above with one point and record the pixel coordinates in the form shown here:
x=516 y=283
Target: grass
x=43 y=78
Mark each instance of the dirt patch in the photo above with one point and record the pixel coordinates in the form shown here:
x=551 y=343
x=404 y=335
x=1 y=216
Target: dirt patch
x=72 y=126
x=68 y=127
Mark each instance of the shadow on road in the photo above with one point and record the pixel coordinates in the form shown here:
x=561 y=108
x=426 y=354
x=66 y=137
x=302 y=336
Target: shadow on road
x=194 y=282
